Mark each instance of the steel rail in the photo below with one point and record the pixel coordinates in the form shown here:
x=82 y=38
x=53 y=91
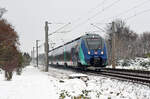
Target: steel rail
x=136 y=76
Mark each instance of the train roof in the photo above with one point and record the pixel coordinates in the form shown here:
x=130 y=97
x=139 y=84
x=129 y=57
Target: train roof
x=65 y=43
x=83 y=36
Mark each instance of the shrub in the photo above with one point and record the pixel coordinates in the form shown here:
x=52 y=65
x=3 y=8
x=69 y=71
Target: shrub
x=126 y=62
x=145 y=64
x=147 y=55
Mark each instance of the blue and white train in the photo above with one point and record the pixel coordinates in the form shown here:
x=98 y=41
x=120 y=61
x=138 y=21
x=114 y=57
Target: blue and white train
x=87 y=51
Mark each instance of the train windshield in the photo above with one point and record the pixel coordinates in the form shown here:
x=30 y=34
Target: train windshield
x=94 y=43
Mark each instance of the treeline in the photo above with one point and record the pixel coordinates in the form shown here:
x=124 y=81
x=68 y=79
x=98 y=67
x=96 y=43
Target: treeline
x=128 y=44
x=11 y=58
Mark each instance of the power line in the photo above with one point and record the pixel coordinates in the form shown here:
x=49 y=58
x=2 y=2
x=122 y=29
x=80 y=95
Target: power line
x=59 y=29
x=128 y=10
x=91 y=10
x=98 y=27
x=136 y=14
x=96 y=14
x=97 y=6
x=104 y=9
x=134 y=7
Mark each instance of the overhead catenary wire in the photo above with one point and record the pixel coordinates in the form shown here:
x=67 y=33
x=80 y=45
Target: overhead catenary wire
x=97 y=27
x=101 y=3
x=91 y=10
x=137 y=14
x=122 y=13
x=103 y=9
x=134 y=7
x=59 y=29
x=93 y=16
x=128 y=10
x=97 y=6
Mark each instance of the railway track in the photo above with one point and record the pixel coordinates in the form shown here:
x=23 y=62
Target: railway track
x=136 y=76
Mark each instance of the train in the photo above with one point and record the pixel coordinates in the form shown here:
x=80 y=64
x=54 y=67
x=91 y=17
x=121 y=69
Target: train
x=86 y=52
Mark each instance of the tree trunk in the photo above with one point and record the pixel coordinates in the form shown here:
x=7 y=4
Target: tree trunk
x=8 y=75
x=18 y=71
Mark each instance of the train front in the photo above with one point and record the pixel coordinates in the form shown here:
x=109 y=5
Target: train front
x=95 y=50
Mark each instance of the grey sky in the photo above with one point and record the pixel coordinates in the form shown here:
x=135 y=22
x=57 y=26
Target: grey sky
x=28 y=17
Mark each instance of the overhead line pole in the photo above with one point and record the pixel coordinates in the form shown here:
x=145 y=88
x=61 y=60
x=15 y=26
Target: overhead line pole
x=33 y=54
x=46 y=41
x=46 y=46
x=37 y=60
x=113 y=45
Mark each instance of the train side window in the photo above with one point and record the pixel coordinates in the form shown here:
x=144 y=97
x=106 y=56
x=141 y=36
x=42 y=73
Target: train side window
x=72 y=51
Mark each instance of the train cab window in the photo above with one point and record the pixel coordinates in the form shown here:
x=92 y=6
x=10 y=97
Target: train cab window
x=94 y=43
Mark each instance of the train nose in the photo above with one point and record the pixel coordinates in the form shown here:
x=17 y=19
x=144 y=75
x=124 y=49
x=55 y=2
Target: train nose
x=96 y=61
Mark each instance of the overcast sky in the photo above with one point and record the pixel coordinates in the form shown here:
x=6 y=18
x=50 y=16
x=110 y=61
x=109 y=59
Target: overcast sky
x=28 y=17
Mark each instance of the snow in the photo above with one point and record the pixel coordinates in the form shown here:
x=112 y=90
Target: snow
x=96 y=87
x=32 y=84
x=77 y=75
x=36 y=84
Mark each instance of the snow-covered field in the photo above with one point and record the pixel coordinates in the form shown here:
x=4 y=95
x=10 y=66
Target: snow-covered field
x=35 y=84
x=32 y=84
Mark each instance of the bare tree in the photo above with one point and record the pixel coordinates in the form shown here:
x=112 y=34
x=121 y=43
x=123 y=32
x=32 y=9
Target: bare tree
x=145 y=43
x=124 y=40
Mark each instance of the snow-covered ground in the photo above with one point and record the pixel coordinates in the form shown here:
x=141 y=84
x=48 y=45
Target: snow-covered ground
x=32 y=84
x=35 y=84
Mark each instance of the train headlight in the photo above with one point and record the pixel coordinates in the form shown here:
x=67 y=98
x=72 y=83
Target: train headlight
x=102 y=52
x=89 y=52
